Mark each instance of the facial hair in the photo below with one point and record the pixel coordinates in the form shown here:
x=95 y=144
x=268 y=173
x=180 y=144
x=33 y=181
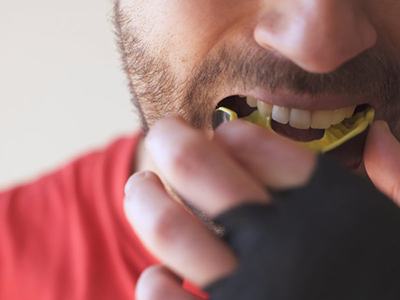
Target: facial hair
x=156 y=93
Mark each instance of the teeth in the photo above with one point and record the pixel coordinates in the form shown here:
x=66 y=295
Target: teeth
x=349 y=111
x=321 y=119
x=280 y=114
x=252 y=102
x=338 y=116
x=264 y=109
x=300 y=119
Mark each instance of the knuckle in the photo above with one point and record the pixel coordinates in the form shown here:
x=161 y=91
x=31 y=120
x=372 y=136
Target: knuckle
x=185 y=156
x=165 y=227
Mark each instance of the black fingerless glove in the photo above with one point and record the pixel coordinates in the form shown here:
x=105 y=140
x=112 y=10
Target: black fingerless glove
x=338 y=238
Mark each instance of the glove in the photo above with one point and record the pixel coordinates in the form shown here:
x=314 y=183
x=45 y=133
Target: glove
x=338 y=238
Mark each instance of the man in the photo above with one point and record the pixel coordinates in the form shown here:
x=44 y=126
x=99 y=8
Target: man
x=304 y=64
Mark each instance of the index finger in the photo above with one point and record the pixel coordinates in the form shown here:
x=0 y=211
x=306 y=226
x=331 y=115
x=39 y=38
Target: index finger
x=200 y=170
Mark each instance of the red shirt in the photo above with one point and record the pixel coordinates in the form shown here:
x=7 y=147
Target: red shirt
x=65 y=235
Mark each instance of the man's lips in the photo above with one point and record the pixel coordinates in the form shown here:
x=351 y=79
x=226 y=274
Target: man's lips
x=291 y=115
x=305 y=101
x=297 y=134
x=301 y=124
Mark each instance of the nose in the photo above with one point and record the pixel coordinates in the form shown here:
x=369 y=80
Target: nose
x=317 y=35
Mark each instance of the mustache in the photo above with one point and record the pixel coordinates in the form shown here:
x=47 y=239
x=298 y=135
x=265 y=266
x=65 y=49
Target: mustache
x=372 y=73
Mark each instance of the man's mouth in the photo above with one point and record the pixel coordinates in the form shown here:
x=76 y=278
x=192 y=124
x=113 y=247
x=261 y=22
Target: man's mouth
x=321 y=130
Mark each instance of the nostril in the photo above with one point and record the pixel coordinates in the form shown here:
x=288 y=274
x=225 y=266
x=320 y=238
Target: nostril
x=368 y=33
x=318 y=38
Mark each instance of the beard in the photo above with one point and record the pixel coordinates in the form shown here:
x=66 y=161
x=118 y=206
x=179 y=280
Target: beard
x=374 y=74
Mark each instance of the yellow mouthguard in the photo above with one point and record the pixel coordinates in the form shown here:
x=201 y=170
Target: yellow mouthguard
x=334 y=136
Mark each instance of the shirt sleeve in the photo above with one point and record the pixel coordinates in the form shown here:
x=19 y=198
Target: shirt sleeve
x=64 y=236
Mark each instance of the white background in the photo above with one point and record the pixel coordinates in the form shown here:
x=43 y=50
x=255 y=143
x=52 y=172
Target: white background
x=62 y=91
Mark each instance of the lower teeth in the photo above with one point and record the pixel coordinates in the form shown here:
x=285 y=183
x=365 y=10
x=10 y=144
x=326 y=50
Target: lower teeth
x=333 y=137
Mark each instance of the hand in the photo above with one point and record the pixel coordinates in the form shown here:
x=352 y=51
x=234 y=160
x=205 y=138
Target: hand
x=382 y=160
x=218 y=175
x=214 y=176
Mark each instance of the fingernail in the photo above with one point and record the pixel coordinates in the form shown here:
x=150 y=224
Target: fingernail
x=131 y=181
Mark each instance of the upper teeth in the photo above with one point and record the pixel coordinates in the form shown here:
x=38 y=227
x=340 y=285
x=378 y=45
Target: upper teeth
x=299 y=118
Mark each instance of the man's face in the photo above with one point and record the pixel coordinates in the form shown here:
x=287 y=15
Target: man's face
x=307 y=60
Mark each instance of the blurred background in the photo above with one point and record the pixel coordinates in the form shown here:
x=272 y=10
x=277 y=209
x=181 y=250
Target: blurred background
x=62 y=89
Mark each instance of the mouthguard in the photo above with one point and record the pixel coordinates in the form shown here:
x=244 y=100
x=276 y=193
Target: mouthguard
x=333 y=137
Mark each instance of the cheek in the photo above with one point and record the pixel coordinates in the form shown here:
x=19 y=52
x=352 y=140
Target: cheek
x=385 y=15
x=188 y=29
x=183 y=31
x=393 y=29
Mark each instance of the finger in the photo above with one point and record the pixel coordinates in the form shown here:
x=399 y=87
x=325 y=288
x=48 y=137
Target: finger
x=158 y=283
x=173 y=235
x=382 y=160
x=199 y=170
x=276 y=161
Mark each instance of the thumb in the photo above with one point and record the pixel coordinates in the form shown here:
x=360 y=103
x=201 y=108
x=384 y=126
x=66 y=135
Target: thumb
x=382 y=160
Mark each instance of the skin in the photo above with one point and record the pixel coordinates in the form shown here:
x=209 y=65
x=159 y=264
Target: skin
x=170 y=50
x=181 y=240
x=186 y=56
